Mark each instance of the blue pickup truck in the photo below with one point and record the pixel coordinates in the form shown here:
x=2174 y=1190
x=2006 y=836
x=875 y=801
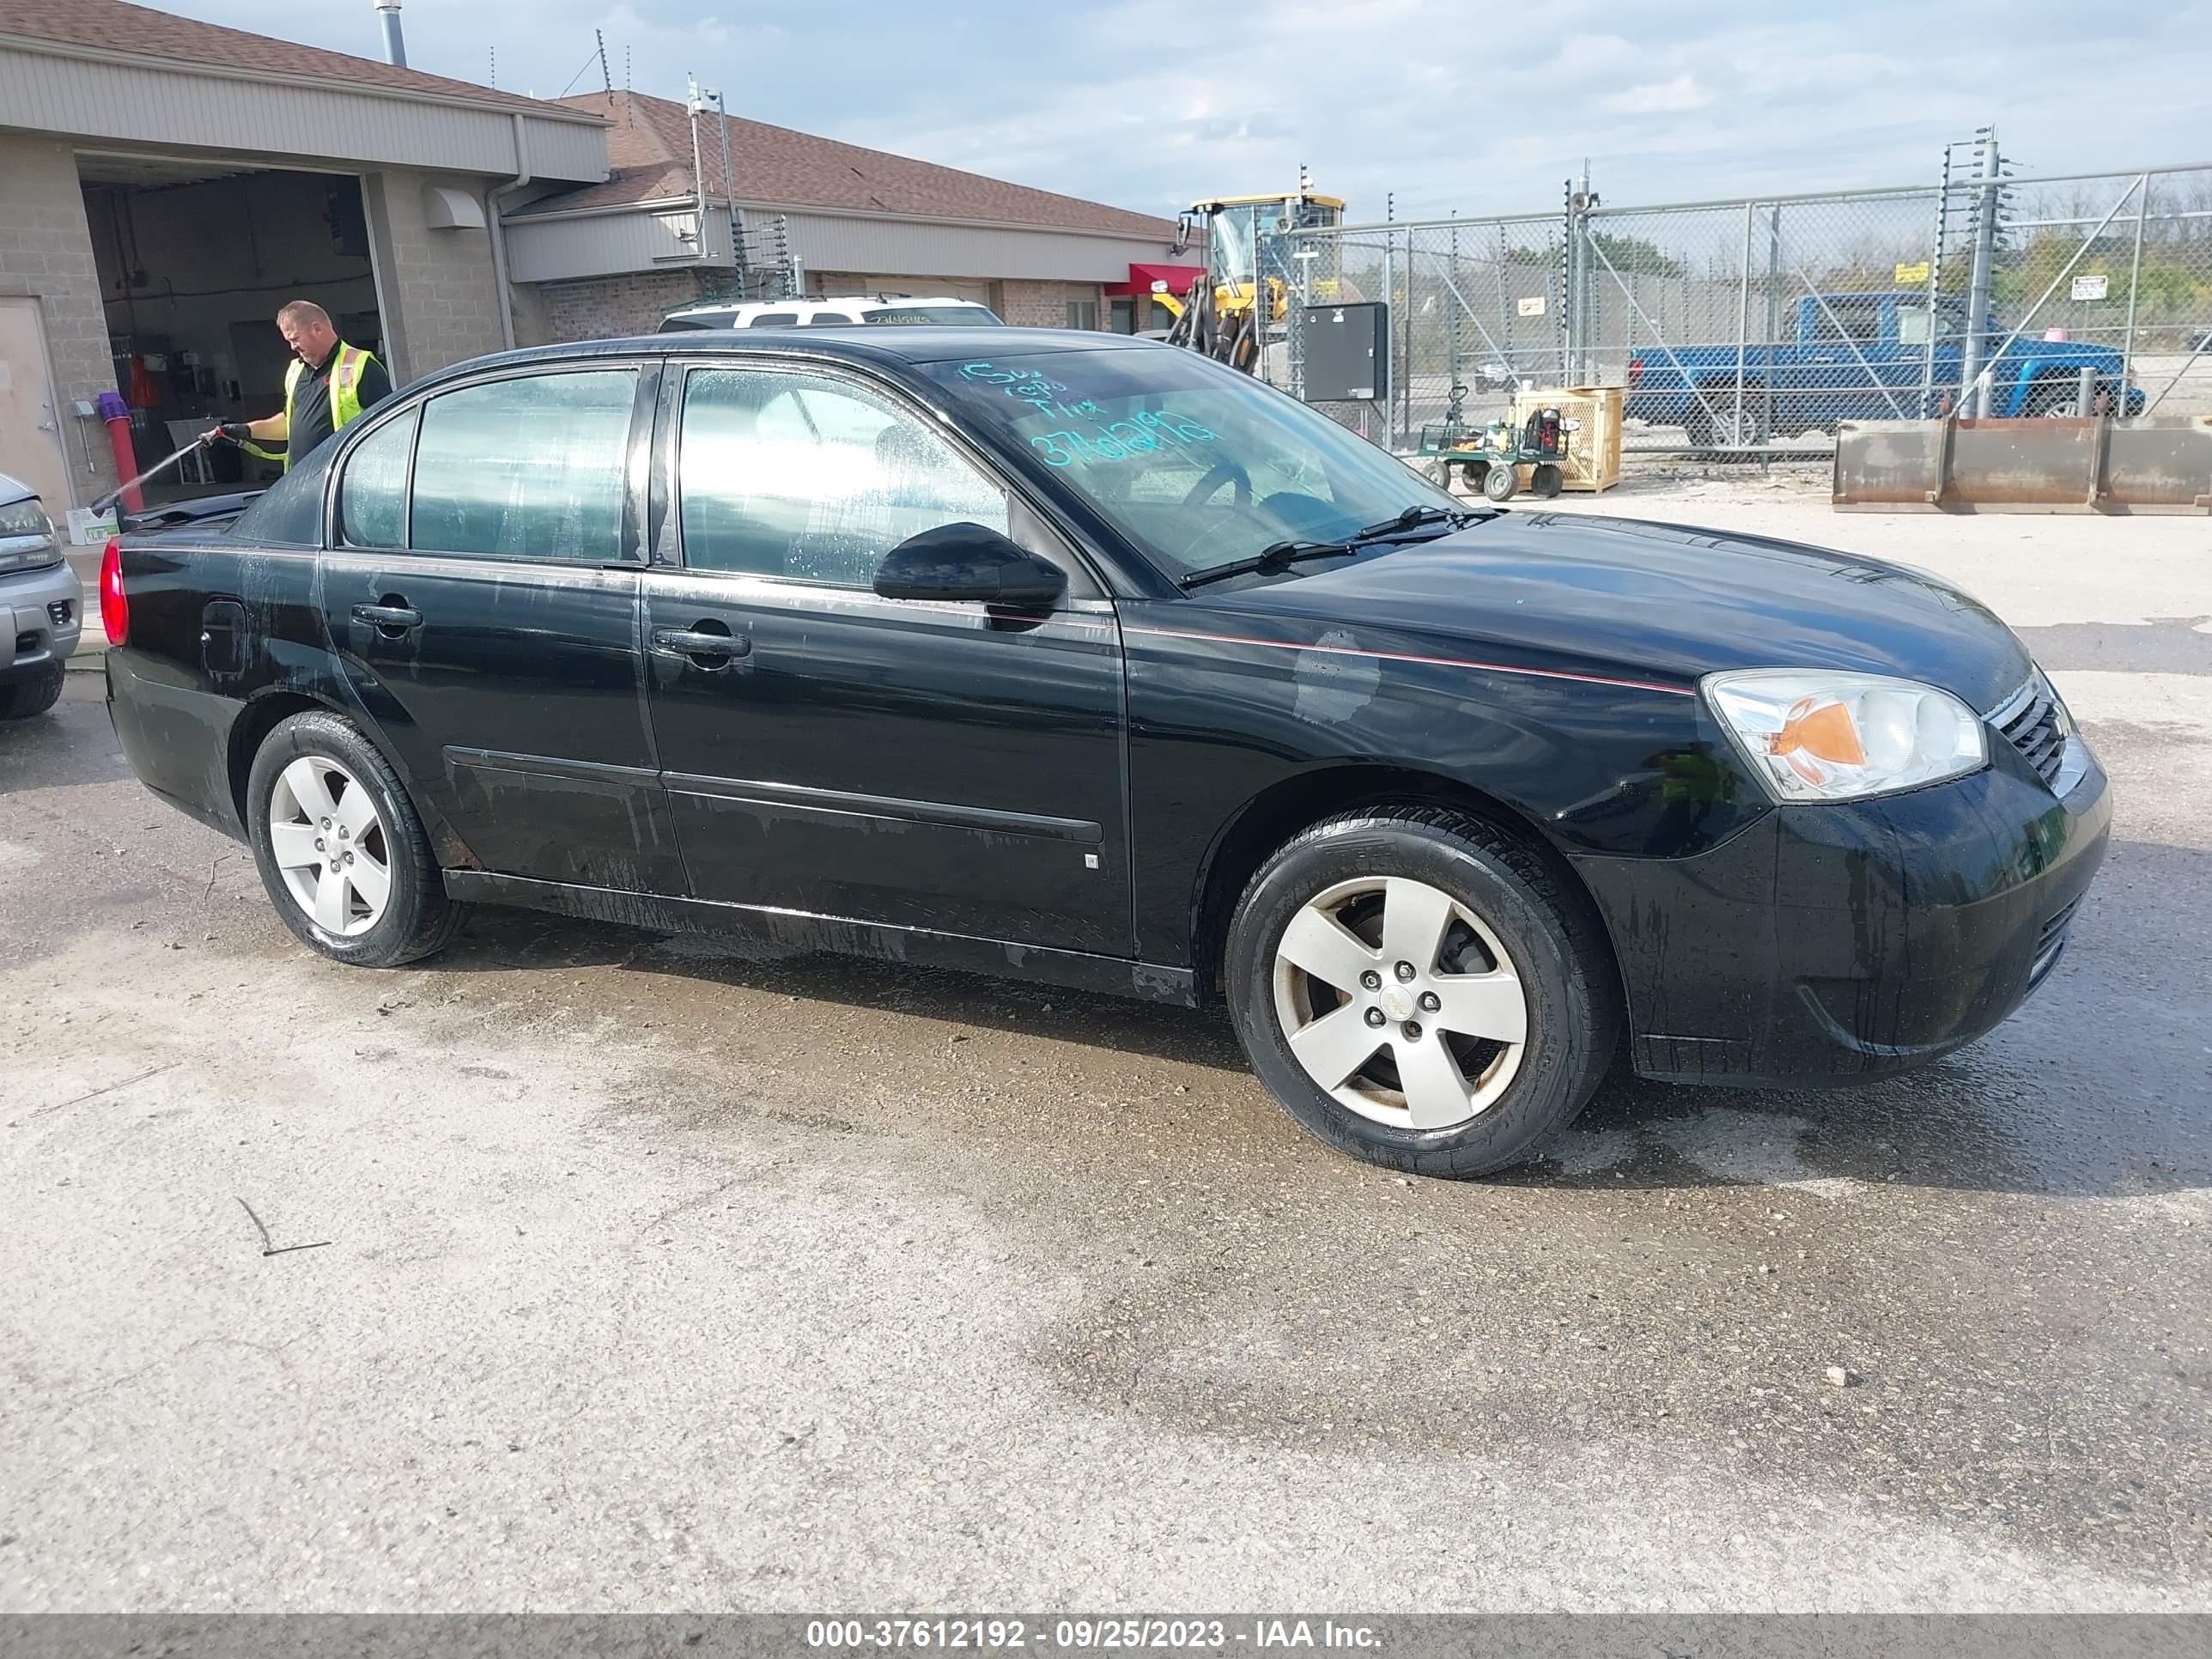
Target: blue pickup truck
x=1856 y=357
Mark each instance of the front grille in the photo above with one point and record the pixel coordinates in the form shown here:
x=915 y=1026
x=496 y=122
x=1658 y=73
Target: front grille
x=2031 y=724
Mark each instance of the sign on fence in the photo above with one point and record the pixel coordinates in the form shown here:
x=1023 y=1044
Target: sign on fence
x=1912 y=276
x=2094 y=287
x=1533 y=305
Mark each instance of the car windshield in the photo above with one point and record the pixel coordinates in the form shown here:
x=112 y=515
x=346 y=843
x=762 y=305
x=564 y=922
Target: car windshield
x=1195 y=464
x=971 y=316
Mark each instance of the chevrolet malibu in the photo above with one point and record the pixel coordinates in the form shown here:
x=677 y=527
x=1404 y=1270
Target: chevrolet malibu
x=1085 y=660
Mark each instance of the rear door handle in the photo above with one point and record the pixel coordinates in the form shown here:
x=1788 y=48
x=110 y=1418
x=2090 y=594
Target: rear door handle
x=389 y=620
x=705 y=650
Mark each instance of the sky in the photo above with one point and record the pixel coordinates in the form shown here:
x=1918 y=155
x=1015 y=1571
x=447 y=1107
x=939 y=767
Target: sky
x=1422 y=106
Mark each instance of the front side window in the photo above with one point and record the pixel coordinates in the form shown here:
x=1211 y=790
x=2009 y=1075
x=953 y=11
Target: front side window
x=372 y=493
x=1912 y=322
x=528 y=468
x=802 y=476
x=1195 y=464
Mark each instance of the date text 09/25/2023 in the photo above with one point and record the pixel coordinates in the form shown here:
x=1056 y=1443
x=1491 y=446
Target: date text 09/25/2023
x=1088 y=1635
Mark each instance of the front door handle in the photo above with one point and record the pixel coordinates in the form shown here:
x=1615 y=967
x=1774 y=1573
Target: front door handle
x=393 y=619
x=700 y=648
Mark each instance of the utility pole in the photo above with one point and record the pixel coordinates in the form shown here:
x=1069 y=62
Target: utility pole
x=1972 y=400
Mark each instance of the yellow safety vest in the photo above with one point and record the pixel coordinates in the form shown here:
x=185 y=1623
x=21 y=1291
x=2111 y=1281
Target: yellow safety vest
x=345 y=398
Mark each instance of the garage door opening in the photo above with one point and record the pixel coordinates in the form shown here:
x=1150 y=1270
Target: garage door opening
x=194 y=260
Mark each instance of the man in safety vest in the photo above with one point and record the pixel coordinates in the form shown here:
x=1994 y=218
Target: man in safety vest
x=328 y=386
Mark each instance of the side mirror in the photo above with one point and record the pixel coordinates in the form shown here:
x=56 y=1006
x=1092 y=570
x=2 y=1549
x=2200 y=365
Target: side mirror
x=969 y=564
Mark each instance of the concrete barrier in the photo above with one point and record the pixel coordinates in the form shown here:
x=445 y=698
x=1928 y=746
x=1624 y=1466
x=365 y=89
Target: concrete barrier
x=2160 y=464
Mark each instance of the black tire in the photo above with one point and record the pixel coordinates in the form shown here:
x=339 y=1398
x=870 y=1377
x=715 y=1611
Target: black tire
x=2052 y=398
x=1702 y=433
x=1547 y=481
x=418 y=918
x=1548 y=928
x=21 y=700
x=1499 y=482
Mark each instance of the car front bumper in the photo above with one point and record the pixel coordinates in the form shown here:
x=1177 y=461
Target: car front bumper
x=1833 y=944
x=45 y=614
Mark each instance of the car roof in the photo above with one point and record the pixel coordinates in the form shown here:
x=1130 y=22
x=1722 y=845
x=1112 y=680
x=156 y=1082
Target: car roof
x=878 y=301
x=880 y=345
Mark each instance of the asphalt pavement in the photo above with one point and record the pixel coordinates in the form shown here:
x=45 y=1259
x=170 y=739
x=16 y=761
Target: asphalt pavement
x=582 y=1268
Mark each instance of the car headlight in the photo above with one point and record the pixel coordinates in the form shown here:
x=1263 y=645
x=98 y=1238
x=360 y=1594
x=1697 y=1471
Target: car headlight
x=27 y=535
x=1813 y=735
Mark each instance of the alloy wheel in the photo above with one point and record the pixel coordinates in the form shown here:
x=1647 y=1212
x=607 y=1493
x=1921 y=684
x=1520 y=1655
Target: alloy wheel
x=331 y=845
x=1400 y=1003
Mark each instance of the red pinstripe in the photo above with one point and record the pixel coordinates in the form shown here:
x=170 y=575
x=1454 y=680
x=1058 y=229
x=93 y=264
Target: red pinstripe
x=1402 y=656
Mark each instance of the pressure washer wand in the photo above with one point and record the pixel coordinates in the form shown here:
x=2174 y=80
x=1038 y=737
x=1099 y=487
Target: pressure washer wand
x=116 y=494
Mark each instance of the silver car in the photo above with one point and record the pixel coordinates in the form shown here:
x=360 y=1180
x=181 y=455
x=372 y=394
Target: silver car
x=41 y=601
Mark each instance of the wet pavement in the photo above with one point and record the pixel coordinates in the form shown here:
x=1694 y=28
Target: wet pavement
x=616 y=1271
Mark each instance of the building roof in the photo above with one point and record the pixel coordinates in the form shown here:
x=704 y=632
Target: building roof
x=649 y=146
x=112 y=27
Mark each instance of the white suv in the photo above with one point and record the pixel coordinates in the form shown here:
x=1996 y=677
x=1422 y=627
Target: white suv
x=846 y=312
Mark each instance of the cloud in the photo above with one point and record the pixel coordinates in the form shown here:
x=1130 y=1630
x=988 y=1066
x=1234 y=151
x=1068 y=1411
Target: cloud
x=1657 y=97
x=1151 y=103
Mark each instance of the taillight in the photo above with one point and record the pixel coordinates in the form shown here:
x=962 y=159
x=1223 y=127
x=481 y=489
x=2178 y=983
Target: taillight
x=114 y=609
x=1635 y=370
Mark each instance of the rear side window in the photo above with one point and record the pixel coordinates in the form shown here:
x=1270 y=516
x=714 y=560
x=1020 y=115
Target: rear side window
x=776 y=319
x=828 y=319
x=289 y=513
x=707 y=319
x=1840 y=321
x=909 y=316
x=372 y=493
x=528 y=468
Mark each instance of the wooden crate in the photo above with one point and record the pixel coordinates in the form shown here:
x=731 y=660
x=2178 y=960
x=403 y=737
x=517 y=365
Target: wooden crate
x=1593 y=461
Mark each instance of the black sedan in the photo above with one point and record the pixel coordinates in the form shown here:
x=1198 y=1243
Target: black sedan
x=1086 y=660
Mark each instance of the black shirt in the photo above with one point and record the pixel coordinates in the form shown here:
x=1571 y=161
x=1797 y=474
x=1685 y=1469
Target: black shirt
x=310 y=404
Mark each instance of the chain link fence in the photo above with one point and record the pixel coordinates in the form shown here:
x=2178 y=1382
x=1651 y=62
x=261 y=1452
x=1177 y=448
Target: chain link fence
x=1750 y=327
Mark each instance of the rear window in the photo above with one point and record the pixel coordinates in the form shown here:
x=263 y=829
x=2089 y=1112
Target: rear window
x=908 y=316
x=289 y=512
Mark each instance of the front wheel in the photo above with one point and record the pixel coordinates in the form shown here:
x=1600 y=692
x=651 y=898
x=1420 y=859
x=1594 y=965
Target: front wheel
x=341 y=851
x=22 y=699
x=1499 y=482
x=1421 y=990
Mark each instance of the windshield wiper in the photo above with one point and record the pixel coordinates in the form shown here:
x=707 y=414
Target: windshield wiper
x=1282 y=555
x=1279 y=555
x=1415 y=518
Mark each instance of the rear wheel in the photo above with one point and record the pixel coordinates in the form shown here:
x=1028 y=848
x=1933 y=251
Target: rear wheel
x=1499 y=482
x=1724 y=427
x=1420 y=991
x=1546 y=480
x=341 y=851
x=22 y=699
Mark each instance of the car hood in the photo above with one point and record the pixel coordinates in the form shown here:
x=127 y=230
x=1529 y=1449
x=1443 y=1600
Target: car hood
x=1621 y=597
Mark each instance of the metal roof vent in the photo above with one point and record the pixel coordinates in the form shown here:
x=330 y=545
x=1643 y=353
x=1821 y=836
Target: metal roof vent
x=395 y=44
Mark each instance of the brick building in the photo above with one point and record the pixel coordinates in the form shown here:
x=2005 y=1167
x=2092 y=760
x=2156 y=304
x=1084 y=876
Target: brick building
x=165 y=185
x=813 y=216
